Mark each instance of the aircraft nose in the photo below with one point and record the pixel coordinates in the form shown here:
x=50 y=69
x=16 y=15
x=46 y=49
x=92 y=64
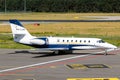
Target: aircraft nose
x=112 y=46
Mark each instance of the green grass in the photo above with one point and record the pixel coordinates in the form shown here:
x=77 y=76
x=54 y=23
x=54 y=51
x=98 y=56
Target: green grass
x=6 y=41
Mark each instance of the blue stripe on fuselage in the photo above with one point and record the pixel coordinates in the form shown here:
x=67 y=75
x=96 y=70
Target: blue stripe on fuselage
x=69 y=46
x=65 y=46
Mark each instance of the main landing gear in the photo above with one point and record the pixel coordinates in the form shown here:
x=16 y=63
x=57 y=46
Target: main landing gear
x=63 y=52
x=106 y=53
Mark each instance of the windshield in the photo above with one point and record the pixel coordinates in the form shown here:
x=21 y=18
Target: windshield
x=101 y=41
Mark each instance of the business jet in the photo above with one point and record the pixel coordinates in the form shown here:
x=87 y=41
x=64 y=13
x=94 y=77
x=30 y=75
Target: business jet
x=56 y=44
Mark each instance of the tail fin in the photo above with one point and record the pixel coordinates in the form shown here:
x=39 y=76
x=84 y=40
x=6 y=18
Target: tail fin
x=20 y=34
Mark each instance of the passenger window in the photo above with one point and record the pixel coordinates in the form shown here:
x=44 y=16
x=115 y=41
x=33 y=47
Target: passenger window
x=89 y=41
x=84 y=41
x=76 y=41
x=67 y=40
x=58 y=40
x=80 y=41
x=71 y=40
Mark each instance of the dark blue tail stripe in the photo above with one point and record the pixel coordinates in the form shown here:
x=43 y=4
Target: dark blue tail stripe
x=15 y=22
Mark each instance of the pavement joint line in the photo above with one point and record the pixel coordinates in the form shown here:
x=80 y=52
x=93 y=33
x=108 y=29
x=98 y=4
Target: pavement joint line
x=20 y=74
x=48 y=62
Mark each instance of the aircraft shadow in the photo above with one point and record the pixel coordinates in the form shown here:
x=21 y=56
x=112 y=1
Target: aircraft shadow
x=49 y=54
x=27 y=52
x=17 y=52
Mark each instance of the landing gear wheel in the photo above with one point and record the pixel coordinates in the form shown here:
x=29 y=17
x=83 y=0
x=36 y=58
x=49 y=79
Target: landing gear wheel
x=63 y=52
x=56 y=52
x=105 y=52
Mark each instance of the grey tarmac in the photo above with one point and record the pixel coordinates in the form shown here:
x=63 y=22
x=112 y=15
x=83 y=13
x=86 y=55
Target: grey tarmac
x=42 y=65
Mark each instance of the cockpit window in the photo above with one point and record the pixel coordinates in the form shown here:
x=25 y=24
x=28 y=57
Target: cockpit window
x=101 y=41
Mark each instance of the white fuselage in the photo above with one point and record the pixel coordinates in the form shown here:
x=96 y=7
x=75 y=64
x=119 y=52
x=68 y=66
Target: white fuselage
x=72 y=43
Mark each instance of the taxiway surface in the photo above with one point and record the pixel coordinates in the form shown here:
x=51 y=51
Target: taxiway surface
x=18 y=64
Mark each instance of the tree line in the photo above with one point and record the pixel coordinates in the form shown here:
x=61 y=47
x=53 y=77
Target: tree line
x=111 y=6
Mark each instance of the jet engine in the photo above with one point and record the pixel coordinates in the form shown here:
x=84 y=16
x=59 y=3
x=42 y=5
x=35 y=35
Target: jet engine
x=37 y=41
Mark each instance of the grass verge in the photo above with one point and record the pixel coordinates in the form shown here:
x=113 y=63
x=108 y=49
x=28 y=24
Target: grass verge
x=52 y=16
x=6 y=41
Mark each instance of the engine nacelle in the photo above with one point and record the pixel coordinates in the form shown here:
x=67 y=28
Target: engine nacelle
x=37 y=41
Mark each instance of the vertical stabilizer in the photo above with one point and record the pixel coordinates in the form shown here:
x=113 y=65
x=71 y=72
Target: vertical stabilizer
x=20 y=34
